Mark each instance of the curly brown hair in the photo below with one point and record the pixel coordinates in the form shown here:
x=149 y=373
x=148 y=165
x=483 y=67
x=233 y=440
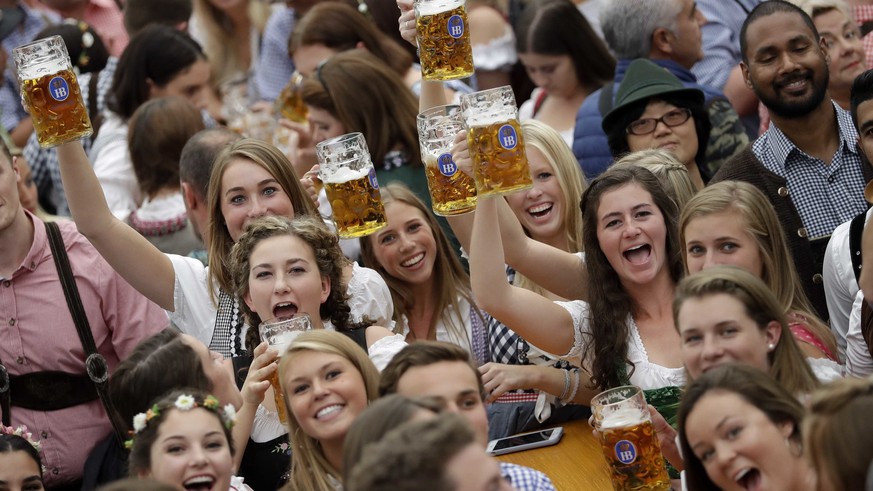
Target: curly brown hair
x=328 y=257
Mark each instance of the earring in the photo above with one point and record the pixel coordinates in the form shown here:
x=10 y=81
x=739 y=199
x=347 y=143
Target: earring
x=771 y=347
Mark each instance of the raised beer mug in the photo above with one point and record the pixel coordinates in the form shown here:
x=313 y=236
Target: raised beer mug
x=346 y=169
x=290 y=104
x=628 y=440
x=279 y=333
x=50 y=92
x=496 y=141
x=452 y=191
x=443 y=39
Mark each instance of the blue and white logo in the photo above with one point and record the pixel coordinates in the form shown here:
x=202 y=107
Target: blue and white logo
x=373 y=181
x=625 y=452
x=446 y=165
x=59 y=89
x=456 y=26
x=507 y=136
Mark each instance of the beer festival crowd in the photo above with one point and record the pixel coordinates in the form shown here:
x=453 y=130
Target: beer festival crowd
x=318 y=245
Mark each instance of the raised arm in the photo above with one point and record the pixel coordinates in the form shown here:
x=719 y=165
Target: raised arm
x=534 y=317
x=139 y=262
x=559 y=272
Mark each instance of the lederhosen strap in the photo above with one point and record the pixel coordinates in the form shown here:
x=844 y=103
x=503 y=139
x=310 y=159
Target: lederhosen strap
x=4 y=396
x=856 y=230
x=95 y=364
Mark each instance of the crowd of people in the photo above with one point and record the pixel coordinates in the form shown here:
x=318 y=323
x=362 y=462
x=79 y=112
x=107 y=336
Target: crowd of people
x=695 y=227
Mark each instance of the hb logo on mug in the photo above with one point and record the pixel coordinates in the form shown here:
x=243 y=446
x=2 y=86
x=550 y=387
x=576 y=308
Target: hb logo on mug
x=59 y=89
x=456 y=26
x=625 y=452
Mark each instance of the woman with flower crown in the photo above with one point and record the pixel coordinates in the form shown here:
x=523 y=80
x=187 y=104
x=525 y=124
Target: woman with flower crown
x=184 y=440
x=20 y=464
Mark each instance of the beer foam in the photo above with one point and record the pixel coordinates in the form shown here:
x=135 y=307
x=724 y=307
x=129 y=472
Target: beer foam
x=623 y=418
x=281 y=341
x=345 y=174
x=437 y=7
x=485 y=119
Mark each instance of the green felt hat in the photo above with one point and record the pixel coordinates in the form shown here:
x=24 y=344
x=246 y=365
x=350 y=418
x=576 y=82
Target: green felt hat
x=642 y=81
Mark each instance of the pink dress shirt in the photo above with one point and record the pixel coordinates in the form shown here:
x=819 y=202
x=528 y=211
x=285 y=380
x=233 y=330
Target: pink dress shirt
x=107 y=19
x=37 y=333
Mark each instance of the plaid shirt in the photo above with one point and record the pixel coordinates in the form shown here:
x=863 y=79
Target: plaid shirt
x=825 y=195
x=864 y=14
x=274 y=67
x=721 y=39
x=10 y=98
x=44 y=161
x=526 y=479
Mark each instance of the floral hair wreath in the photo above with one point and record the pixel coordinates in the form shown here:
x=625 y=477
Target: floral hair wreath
x=21 y=431
x=184 y=402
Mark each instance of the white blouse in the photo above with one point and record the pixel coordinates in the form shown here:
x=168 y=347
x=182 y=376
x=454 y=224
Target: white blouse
x=646 y=374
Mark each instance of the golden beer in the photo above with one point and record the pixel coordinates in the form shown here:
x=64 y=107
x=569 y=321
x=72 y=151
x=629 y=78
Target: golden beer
x=50 y=92
x=499 y=161
x=56 y=108
x=452 y=192
x=278 y=396
x=443 y=39
x=357 y=206
x=290 y=101
x=631 y=449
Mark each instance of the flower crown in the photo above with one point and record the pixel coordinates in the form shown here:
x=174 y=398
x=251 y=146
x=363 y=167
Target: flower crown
x=22 y=432
x=184 y=402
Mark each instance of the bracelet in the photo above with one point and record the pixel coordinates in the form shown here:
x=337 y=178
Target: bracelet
x=569 y=400
x=566 y=385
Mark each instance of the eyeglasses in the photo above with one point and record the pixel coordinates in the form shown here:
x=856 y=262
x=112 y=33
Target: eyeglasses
x=648 y=125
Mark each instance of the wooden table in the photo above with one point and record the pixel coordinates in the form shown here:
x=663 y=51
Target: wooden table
x=574 y=464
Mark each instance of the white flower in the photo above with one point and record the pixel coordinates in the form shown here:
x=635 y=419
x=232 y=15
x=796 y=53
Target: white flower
x=139 y=422
x=185 y=402
x=229 y=414
x=87 y=39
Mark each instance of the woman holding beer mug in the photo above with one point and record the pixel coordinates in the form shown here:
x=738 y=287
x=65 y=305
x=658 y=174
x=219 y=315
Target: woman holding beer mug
x=654 y=110
x=250 y=179
x=739 y=429
x=159 y=61
x=734 y=223
x=431 y=290
x=625 y=334
x=565 y=59
x=328 y=381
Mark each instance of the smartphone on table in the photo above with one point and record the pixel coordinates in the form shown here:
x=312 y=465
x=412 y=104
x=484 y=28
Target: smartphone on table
x=525 y=441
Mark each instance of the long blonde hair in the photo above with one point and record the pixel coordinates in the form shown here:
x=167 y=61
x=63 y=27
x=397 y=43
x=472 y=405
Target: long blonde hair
x=449 y=276
x=221 y=39
x=763 y=225
x=570 y=179
x=309 y=467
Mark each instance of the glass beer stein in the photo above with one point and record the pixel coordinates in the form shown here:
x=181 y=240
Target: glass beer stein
x=443 y=39
x=290 y=104
x=452 y=191
x=628 y=440
x=496 y=141
x=50 y=92
x=279 y=333
x=349 y=178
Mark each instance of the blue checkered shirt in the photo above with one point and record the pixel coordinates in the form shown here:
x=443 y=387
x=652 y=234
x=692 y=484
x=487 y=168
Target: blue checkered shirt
x=10 y=98
x=721 y=39
x=274 y=67
x=824 y=195
x=526 y=479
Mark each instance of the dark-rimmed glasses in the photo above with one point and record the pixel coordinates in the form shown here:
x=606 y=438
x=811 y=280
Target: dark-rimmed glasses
x=647 y=125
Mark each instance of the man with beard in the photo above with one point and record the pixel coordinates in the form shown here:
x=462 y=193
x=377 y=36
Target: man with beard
x=807 y=163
